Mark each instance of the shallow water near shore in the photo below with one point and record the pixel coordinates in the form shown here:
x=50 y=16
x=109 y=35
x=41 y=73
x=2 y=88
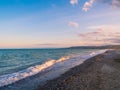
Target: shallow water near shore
x=18 y=64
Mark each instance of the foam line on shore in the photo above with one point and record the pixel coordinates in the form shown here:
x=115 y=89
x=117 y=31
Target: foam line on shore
x=65 y=63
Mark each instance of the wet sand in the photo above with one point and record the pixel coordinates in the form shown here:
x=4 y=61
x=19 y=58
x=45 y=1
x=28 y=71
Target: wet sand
x=101 y=72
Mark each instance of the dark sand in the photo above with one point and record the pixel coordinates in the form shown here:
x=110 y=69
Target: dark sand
x=101 y=72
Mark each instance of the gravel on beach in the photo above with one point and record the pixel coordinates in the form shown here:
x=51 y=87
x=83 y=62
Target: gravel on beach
x=101 y=72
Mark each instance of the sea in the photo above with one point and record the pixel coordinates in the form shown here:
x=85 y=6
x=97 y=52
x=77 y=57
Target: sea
x=26 y=69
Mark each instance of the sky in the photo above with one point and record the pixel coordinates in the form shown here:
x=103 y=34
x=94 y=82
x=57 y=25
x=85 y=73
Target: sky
x=59 y=23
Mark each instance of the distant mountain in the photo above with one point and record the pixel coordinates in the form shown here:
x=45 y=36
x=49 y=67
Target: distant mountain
x=97 y=47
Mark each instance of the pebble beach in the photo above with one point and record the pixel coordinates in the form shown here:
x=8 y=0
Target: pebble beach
x=101 y=72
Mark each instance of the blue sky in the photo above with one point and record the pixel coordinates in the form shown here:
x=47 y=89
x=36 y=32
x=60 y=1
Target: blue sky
x=58 y=23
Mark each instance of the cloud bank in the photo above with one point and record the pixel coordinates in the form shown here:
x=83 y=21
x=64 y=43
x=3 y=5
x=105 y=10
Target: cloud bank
x=116 y=3
x=88 y=4
x=46 y=44
x=113 y=3
x=100 y=37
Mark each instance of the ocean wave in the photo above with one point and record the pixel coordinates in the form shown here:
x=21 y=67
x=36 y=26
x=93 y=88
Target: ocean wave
x=65 y=63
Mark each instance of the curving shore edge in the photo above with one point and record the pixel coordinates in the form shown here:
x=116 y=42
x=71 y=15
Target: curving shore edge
x=101 y=72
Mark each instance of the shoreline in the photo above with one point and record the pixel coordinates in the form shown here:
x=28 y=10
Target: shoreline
x=100 y=72
x=64 y=79
x=42 y=77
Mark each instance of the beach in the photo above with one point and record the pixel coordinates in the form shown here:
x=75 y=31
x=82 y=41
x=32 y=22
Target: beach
x=60 y=45
x=29 y=77
x=98 y=70
x=101 y=72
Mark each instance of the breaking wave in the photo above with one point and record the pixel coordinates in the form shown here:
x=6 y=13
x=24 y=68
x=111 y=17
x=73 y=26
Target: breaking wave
x=64 y=63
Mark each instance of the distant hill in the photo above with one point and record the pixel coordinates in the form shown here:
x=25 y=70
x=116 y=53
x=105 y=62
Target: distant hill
x=97 y=47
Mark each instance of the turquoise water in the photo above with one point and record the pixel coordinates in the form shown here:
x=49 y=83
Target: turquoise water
x=20 y=64
x=12 y=60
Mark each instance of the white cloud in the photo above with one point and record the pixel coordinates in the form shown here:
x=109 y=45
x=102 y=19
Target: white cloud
x=73 y=2
x=88 y=5
x=73 y=24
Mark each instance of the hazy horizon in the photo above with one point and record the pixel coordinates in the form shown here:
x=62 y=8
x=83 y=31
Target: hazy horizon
x=59 y=23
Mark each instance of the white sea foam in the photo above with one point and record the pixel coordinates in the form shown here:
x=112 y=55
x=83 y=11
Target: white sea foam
x=56 y=66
